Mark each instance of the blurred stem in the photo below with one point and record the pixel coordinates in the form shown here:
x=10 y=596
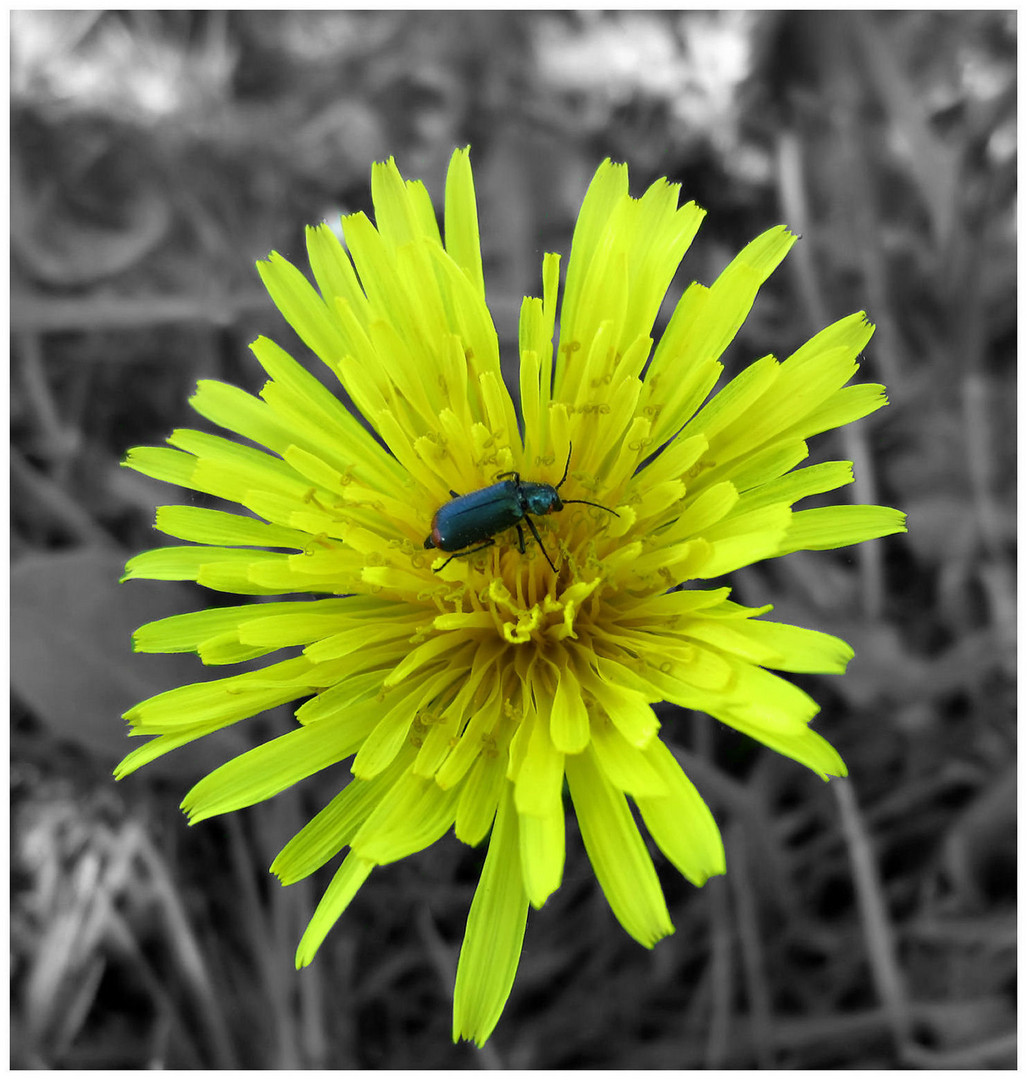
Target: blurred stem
x=929 y=160
x=966 y=345
x=717 y=899
x=996 y=574
x=312 y=1033
x=265 y=950
x=299 y=994
x=189 y=954
x=752 y=951
x=877 y=927
x=796 y=206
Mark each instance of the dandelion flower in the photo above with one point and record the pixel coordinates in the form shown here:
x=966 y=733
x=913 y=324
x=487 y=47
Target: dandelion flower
x=467 y=689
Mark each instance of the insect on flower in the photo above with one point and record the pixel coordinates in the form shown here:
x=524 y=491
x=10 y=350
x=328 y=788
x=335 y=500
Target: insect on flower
x=479 y=515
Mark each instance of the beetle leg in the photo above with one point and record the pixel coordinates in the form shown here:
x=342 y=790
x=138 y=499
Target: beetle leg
x=455 y=494
x=538 y=540
x=520 y=536
x=473 y=551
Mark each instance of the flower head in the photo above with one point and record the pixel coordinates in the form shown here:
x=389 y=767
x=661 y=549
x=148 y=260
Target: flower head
x=466 y=685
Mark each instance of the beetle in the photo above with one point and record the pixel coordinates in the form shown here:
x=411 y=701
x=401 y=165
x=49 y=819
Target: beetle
x=480 y=515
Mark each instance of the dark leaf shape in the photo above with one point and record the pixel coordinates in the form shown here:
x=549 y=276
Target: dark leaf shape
x=72 y=661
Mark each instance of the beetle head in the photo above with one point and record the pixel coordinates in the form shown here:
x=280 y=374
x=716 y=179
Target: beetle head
x=540 y=498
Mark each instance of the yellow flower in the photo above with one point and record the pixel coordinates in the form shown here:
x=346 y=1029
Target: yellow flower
x=467 y=689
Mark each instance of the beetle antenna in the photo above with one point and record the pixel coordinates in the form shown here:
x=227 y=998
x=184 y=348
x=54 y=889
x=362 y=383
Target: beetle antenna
x=598 y=506
x=566 y=468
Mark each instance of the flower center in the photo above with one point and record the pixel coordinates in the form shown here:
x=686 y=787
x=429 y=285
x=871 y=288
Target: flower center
x=547 y=619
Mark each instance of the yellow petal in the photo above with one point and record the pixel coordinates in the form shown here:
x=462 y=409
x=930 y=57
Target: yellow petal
x=344 y=886
x=542 y=849
x=569 y=725
x=626 y=767
x=491 y=948
x=618 y=855
x=679 y=821
x=412 y=816
x=831 y=527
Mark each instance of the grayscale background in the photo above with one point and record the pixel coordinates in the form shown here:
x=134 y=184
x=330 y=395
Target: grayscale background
x=866 y=924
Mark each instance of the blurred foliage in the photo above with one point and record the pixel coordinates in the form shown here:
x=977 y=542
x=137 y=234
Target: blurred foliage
x=155 y=155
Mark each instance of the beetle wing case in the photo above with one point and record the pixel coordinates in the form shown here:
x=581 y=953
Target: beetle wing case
x=469 y=519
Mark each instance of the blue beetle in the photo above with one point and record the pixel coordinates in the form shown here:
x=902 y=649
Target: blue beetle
x=480 y=515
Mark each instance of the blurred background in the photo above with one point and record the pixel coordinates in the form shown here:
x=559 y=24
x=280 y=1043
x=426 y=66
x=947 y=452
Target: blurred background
x=155 y=157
